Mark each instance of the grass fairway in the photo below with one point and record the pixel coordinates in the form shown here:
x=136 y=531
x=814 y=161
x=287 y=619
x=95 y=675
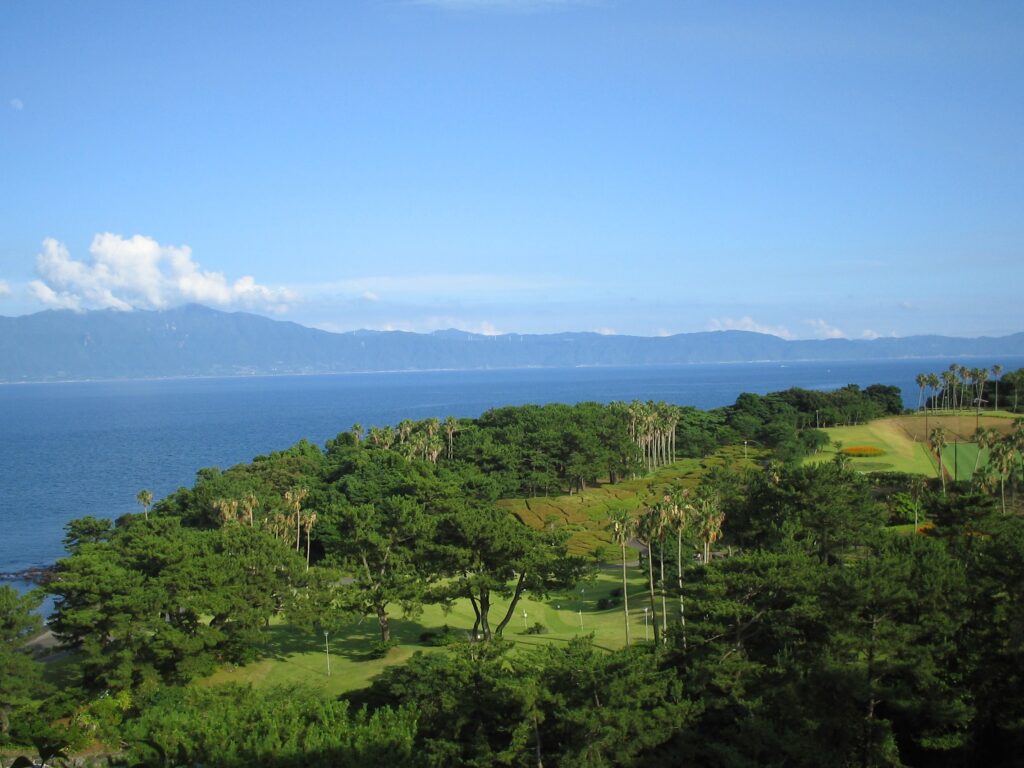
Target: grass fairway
x=901 y=453
x=904 y=440
x=296 y=655
x=585 y=514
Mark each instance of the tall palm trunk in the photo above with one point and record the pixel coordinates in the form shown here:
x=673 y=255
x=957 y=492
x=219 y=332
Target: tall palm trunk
x=664 y=610
x=650 y=584
x=625 y=593
x=679 y=573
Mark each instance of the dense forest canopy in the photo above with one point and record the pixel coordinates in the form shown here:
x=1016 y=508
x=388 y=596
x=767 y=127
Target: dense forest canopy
x=796 y=621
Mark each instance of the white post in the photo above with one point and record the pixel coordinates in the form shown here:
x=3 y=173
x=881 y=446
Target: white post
x=646 y=633
x=327 y=648
x=524 y=620
x=581 y=620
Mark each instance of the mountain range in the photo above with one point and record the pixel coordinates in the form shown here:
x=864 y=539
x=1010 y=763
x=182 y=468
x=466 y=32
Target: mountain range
x=194 y=340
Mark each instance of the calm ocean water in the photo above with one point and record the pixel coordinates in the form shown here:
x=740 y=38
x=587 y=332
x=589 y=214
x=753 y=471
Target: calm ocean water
x=68 y=450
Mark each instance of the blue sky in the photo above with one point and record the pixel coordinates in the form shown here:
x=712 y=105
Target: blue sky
x=810 y=169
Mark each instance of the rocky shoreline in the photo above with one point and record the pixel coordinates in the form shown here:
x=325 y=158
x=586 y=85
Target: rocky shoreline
x=37 y=574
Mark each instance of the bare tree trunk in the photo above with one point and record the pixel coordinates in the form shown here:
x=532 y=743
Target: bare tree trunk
x=679 y=569
x=654 y=605
x=518 y=593
x=385 y=624
x=485 y=607
x=476 y=611
x=664 y=610
x=625 y=592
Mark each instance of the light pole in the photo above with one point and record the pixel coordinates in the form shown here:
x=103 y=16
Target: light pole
x=646 y=633
x=327 y=648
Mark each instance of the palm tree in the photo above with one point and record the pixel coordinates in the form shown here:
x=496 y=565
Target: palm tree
x=937 y=441
x=948 y=389
x=250 y=503
x=1002 y=459
x=709 y=520
x=985 y=439
x=678 y=498
x=433 y=448
x=310 y=522
x=357 y=432
x=665 y=516
x=432 y=426
x=227 y=509
x=952 y=384
x=997 y=371
x=145 y=498
x=648 y=530
x=623 y=527
x=922 y=382
x=451 y=426
x=293 y=499
x=980 y=376
x=933 y=384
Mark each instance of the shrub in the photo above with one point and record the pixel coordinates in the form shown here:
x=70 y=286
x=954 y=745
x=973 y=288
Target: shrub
x=608 y=602
x=537 y=629
x=380 y=649
x=445 y=636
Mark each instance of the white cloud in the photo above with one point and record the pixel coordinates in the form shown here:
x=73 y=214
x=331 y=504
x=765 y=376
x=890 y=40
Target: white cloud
x=5 y=289
x=139 y=273
x=748 y=323
x=17 y=105
x=485 y=328
x=867 y=333
x=370 y=296
x=605 y=331
x=825 y=331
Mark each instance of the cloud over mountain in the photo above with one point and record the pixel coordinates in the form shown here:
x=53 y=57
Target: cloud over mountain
x=140 y=273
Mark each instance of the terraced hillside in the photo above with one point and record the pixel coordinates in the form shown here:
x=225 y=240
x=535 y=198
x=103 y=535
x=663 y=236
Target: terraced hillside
x=586 y=514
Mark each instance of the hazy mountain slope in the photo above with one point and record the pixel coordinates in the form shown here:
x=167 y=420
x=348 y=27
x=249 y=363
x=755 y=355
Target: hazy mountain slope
x=198 y=341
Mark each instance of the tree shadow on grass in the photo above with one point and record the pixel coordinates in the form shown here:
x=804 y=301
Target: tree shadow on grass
x=358 y=641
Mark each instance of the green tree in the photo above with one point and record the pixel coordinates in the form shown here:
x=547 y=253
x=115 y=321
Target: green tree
x=20 y=678
x=824 y=509
x=487 y=553
x=896 y=615
x=383 y=546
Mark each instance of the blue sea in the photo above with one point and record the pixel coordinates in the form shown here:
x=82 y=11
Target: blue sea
x=74 y=449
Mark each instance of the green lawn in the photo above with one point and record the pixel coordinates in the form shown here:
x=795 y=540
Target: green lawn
x=902 y=454
x=298 y=656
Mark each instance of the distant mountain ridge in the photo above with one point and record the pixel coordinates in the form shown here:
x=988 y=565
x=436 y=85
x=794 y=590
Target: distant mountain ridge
x=194 y=340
